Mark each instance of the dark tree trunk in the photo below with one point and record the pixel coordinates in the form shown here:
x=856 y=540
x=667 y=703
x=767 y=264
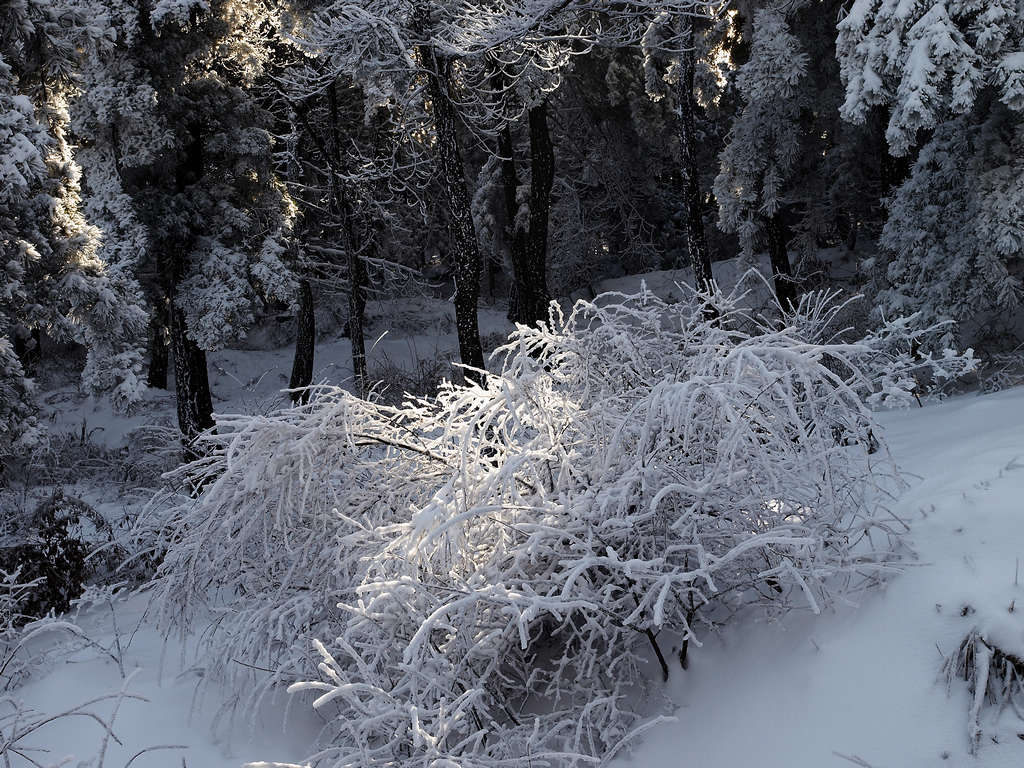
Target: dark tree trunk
x=156 y=376
x=782 y=273
x=696 y=239
x=465 y=251
x=353 y=248
x=305 y=345
x=533 y=286
x=528 y=295
x=191 y=385
x=515 y=236
x=356 y=313
x=851 y=235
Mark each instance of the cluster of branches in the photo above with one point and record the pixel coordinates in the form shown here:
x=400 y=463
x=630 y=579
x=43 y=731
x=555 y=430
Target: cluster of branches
x=486 y=573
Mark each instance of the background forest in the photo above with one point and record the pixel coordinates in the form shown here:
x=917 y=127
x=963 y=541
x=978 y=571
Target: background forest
x=545 y=338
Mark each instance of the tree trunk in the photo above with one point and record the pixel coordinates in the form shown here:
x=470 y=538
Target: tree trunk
x=782 y=273
x=533 y=288
x=696 y=239
x=515 y=236
x=305 y=346
x=353 y=248
x=156 y=376
x=465 y=251
x=528 y=295
x=191 y=385
x=356 y=314
x=851 y=235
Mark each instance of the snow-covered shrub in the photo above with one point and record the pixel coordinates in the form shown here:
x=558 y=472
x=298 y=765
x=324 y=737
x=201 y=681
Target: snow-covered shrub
x=991 y=661
x=49 y=550
x=274 y=542
x=492 y=569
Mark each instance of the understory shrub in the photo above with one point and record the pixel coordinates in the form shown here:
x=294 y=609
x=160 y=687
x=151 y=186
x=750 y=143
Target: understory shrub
x=48 y=552
x=994 y=677
x=487 y=574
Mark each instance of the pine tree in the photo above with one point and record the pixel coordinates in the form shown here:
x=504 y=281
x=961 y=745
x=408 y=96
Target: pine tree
x=926 y=60
x=951 y=76
x=54 y=279
x=955 y=236
x=754 y=184
x=172 y=128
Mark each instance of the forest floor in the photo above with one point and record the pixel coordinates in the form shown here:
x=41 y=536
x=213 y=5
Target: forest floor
x=861 y=685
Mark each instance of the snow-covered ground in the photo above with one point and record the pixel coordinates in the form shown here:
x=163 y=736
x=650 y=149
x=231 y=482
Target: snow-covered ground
x=171 y=724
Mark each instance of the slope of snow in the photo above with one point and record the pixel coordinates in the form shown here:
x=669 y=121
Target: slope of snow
x=172 y=716
x=665 y=284
x=864 y=683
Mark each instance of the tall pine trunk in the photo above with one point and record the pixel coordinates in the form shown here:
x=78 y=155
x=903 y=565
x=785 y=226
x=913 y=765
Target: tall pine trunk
x=533 y=294
x=782 y=272
x=357 y=276
x=305 y=345
x=357 y=311
x=156 y=376
x=330 y=148
x=465 y=251
x=528 y=295
x=191 y=384
x=696 y=239
x=515 y=236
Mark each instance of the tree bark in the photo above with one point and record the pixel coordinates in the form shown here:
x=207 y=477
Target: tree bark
x=696 y=239
x=357 y=312
x=305 y=346
x=156 y=376
x=528 y=294
x=515 y=236
x=533 y=294
x=191 y=385
x=353 y=247
x=782 y=273
x=465 y=251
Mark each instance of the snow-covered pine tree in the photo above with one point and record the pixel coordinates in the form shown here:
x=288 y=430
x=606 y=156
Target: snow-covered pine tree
x=926 y=60
x=526 y=205
x=170 y=123
x=672 y=48
x=754 y=184
x=356 y=179
x=406 y=56
x=955 y=235
x=53 y=278
x=951 y=75
x=23 y=142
